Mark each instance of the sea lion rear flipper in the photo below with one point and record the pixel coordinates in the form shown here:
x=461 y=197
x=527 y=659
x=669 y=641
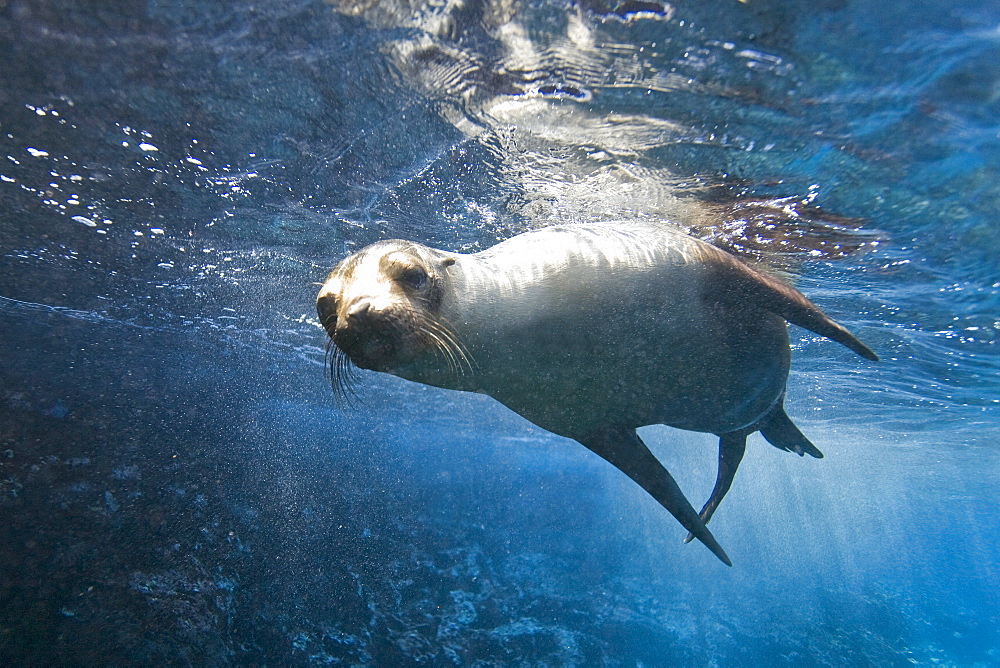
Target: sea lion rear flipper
x=744 y=283
x=781 y=432
x=731 y=449
x=625 y=450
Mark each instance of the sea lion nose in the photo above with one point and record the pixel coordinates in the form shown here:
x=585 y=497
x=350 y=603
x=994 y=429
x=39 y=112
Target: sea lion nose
x=358 y=309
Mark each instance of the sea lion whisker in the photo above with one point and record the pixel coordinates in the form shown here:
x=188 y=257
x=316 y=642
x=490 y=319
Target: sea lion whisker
x=442 y=347
x=440 y=344
x=346 y=378
x=341 y=373
x=463 y=354
x=459 y=350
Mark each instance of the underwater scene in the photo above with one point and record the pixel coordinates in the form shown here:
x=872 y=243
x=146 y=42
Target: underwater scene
x=192 y=473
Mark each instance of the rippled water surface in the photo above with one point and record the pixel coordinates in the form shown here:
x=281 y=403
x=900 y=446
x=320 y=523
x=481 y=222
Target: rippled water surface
x=177 y=483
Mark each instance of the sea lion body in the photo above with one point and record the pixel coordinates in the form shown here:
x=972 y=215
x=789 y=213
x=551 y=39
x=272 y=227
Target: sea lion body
x=579 y=327
x=589 y=331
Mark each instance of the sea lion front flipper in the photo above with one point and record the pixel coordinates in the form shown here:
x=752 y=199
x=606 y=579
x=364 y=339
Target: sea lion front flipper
x=731 y=449
x=625 y=451
x=743 y=282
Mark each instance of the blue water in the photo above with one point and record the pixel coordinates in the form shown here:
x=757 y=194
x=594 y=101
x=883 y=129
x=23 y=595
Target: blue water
x=178 y=484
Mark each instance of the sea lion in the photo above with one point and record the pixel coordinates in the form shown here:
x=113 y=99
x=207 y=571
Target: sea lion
x=589 y=331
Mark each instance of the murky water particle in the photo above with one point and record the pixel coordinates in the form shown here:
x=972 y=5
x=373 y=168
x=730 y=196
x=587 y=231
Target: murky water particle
x=193 y=161
x=37 y=152
x=86 y=221
x=155 y=230
x=148 y=147
x=6 y=179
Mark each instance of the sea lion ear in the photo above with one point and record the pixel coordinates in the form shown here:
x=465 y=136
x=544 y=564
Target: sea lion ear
x=447 y=262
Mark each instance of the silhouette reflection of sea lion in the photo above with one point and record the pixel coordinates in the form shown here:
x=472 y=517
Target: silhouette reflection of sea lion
x=589 y=331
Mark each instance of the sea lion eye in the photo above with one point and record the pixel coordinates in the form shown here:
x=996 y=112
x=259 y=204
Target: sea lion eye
x=414 y=277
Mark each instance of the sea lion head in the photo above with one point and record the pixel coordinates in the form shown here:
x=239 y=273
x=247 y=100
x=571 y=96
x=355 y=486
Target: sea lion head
x=381 y=307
